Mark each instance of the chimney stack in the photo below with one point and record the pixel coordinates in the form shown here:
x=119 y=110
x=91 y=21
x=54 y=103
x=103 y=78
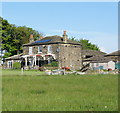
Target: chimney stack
x=31 y=39
x=64 y=32
x=41 y=37
x=65 y=36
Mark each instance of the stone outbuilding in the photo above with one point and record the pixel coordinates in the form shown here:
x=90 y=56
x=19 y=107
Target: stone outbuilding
x=11 y=60
x=100 y=62
x=115 y=56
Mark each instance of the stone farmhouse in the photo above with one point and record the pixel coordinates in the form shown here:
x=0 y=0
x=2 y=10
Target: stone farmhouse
x=45 y=50
x=65 y=52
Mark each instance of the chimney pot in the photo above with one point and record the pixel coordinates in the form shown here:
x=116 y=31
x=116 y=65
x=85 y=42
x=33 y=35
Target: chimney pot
x=41 y=37
x=31 y=35
x=31 y=39
x=65 y=36
x=64 y=32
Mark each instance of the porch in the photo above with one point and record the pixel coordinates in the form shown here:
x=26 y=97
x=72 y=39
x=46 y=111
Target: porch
x=36 y=61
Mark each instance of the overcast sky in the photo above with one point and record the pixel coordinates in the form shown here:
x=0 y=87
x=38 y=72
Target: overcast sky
x=95 y=21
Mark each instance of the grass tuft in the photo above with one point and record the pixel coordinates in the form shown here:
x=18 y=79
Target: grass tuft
x=37 y=91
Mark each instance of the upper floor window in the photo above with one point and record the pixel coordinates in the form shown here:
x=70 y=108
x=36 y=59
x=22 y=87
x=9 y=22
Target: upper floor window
x=40 y=49
x=30 y=50
x=49 y=49
x=57 y=50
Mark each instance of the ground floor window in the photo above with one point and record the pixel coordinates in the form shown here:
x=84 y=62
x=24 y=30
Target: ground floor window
x=9 y=64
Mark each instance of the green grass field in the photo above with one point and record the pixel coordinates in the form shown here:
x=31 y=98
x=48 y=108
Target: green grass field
x=59 y=92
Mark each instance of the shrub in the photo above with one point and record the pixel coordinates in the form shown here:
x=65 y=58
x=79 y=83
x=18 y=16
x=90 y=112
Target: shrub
x=16 y=65
x=47 y=65
x=54 y=64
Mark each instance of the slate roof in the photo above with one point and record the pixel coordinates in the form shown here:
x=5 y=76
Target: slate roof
x=92 y=52
x=116 y=53
x=98 y=59
x=51 y=40
x=14 y=57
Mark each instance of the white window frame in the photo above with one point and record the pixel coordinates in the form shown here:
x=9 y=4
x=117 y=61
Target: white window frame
x=49 y=49
x=39 y=49
x=9 y=64
x=30 y=50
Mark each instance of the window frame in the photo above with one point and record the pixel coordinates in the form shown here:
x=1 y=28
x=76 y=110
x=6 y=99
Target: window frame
x=30 y=49
x=39 y=49
x=50 y=49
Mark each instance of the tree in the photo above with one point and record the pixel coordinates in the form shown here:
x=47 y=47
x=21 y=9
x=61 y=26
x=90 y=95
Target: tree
x=14 y=37
x=86 y=44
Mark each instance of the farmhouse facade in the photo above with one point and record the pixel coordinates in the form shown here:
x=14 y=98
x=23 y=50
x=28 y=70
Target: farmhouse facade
x=59 y=49
x=53 y=48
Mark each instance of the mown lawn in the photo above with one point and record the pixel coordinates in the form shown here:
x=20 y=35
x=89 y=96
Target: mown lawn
x=59 y=92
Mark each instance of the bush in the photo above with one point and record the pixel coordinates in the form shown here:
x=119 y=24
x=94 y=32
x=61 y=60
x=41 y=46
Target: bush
x=16 y=65
x=54 y=64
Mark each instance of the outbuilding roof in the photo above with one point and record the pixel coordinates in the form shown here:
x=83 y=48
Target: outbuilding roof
x=98 y=59
x=14 y=57
x=116 y=53
x=92 y=52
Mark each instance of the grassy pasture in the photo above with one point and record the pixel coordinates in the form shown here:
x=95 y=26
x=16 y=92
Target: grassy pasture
x=59 y=92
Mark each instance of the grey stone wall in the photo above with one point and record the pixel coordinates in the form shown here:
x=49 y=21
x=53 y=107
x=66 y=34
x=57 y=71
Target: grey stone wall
x=25 y=50
x=70 y=56
x=55 y=51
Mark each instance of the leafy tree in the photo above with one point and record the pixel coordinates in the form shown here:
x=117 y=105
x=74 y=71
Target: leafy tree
x=86 y=44
x=14 y=37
